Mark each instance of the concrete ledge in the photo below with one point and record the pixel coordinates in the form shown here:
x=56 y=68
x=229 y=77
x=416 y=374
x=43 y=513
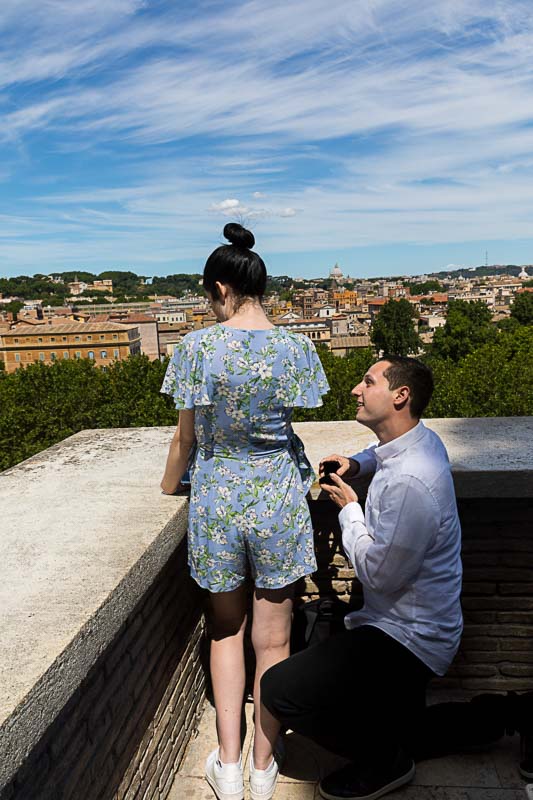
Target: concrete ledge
x=490 y=456
x=85 y=532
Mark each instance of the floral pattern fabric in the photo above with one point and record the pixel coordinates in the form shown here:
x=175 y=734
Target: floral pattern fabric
x=249 y=472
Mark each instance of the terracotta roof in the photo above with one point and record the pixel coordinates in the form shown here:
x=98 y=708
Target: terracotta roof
x=70 y=327
x=350 y=341
x=301 y=321
x=134 y=318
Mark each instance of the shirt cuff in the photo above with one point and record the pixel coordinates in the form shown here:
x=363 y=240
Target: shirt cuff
x=352 y=512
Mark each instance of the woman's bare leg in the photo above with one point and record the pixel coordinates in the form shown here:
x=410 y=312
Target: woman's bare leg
x=228 y=621
x=271 y=628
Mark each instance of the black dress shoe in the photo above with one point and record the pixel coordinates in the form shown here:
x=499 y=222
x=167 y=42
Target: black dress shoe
x=353 y=783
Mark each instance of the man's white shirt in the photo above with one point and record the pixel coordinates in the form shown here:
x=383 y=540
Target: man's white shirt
x=406 y=546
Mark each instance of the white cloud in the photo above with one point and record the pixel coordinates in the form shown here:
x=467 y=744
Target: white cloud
x=433 y=104
x=226 y=206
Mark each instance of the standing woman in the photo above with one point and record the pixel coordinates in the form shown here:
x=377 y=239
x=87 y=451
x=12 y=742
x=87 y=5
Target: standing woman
x=235 y=385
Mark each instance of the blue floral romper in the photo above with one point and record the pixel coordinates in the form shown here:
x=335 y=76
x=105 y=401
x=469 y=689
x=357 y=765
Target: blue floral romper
x=249 y=472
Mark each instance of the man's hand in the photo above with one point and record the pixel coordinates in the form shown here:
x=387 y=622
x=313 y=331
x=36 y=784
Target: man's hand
x=339 y=492
x=348 y=467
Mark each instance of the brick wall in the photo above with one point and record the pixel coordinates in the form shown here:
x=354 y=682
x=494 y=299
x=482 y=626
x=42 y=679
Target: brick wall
x=123 y=734
x=496 y=651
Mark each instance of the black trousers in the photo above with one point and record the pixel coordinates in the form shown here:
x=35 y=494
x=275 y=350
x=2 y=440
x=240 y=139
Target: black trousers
x=360 y=694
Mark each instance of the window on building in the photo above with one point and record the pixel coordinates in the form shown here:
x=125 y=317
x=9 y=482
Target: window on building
x=52 y=338
x=78 y=354
x=64 y=338
x=116 y=353
x=90 y=355
x=76 y=338
x=41 y=356
x=16 y=341
x=53 y=356
x=103 y=353
x=17 y=356
x=102 y=336
x=115 y=336
x=89 y=338
x=65 y=354
x=40 y=339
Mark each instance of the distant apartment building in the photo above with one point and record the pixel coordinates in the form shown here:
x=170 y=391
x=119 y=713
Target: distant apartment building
x=104 y=309
x=305 y=300
x=170 y=333
x=338 y=325
x=343 y=298
x=393 y=290
x=325 y=312
x=148 y=330
x=77 y=287
x=317 y=330
x=101 y=342
x=171 y=315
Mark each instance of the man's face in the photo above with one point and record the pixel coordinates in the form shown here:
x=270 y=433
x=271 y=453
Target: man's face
x=374 y=396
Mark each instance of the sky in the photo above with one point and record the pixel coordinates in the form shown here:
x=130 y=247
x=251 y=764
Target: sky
x=390 y=137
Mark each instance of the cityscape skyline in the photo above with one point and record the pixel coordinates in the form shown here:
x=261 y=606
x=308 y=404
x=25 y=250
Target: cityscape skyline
x=392 y=137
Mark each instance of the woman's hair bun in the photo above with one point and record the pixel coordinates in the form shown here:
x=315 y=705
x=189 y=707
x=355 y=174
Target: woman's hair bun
x=239 y=236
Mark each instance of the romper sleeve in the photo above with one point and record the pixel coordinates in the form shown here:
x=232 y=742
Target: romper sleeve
x=188 y=378
x=304 y=380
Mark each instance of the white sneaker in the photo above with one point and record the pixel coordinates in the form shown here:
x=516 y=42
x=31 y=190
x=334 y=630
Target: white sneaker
x=263 y=781
x=225 y=779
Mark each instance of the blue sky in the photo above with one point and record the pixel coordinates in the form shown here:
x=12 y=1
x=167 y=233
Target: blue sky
x=392 y=137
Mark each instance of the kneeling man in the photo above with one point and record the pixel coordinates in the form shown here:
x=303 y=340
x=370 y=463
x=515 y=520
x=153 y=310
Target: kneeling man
x=361 y=694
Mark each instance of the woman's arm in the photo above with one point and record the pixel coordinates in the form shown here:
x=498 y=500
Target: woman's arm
x=178 y=454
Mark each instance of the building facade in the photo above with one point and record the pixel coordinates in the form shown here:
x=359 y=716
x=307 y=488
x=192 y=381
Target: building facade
x=101 y=342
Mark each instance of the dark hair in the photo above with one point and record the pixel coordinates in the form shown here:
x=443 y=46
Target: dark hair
x=411 y=372
x=235 y=265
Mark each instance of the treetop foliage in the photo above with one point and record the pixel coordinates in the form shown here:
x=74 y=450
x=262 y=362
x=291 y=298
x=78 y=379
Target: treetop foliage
x=522 y=308
x=393 y=331
x=468 y=326
x=424 y=287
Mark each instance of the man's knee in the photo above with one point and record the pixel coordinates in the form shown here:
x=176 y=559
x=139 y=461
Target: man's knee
x=271 y=687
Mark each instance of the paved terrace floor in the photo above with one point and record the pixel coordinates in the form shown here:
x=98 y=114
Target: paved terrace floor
x=488 y=775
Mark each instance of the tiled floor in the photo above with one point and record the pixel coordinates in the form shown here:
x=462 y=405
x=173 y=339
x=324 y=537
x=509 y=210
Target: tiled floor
x=491 y=775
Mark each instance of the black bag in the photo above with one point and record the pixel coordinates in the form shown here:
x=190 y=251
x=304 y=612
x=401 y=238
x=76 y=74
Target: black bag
x=316 y=621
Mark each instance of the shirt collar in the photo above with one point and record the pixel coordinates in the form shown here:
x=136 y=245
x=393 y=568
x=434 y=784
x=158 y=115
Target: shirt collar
x=401 y=443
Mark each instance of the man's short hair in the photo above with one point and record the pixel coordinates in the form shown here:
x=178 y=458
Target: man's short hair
x=411 y=372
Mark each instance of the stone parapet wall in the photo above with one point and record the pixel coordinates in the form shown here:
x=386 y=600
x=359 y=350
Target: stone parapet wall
x=123 y=733
x=496 y=651
x=102 y=676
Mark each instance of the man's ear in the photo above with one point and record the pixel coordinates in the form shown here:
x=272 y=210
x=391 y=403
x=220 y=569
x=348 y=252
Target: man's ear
x=402 y=396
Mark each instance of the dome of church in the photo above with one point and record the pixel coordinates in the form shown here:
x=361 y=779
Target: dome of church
x=523 y=274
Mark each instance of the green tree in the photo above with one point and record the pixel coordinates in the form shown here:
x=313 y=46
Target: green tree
x=424 y=287
x=522 y=308
x=343 y=373
x=393 y=331
x=493 y=380
x=13 y=307
x=42 y=404
x=468 y=325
